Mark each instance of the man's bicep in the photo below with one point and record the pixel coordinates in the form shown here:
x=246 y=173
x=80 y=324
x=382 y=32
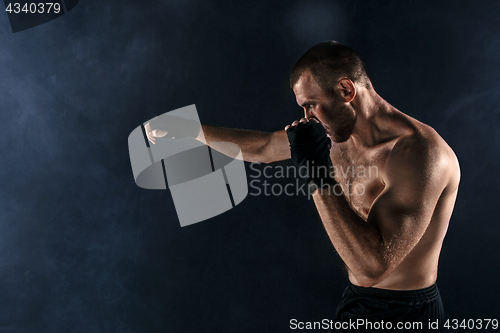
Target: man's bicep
x=401 y=224
x=403 y=210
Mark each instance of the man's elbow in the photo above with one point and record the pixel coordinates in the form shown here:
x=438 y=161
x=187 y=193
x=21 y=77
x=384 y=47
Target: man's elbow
x=366 y=281
x=370 y=277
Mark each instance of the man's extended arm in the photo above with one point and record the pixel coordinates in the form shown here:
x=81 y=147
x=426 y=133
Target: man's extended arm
x=262 y=147
x=414 y=180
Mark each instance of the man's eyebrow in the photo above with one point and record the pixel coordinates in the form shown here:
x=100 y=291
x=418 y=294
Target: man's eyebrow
x=307 y=102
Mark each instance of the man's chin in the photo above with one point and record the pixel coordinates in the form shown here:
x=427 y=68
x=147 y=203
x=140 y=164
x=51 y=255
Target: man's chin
x=337 y=138
x=341 y=134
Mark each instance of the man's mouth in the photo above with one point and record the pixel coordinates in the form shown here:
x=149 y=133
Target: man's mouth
x=327 y=129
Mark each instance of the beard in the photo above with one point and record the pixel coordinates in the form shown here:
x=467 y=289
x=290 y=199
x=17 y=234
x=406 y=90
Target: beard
x=343 y=125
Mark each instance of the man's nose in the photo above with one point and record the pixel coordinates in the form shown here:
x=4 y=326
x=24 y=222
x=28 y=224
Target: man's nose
x=308 y=113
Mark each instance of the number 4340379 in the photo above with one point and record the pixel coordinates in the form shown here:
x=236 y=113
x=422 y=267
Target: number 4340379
x=40 y=8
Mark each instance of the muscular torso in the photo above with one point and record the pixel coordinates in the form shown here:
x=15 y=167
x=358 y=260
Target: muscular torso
x=360 y=172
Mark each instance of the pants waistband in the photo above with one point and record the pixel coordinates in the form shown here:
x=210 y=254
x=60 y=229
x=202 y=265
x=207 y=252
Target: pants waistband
x=403 y=295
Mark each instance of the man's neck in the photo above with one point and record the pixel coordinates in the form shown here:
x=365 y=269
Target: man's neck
x=372 y=112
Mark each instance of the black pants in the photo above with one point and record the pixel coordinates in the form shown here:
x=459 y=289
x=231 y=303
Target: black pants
x=381 y=310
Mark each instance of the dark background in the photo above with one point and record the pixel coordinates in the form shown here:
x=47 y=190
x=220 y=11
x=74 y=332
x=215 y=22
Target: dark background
x=83 y=249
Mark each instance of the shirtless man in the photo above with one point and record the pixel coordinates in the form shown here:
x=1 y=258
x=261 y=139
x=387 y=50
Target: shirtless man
x=389 y=237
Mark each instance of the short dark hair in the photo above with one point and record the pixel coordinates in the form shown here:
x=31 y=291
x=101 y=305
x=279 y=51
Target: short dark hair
x=329 y=61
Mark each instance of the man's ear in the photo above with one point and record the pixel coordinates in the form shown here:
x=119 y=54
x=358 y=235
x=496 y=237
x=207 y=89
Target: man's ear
x=347 y=89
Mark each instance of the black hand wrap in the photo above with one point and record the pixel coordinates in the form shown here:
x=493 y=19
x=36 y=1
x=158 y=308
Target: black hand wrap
x=175 y=126
x=310 y=149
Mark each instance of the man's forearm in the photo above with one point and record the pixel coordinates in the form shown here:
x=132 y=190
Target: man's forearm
x=262 y=147
x=358 y=242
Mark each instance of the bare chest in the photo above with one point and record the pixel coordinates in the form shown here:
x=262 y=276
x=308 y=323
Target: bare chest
x=360 y=175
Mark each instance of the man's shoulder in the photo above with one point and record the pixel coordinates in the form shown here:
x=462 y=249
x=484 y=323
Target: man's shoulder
x=423 y=152
x=420 y=141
